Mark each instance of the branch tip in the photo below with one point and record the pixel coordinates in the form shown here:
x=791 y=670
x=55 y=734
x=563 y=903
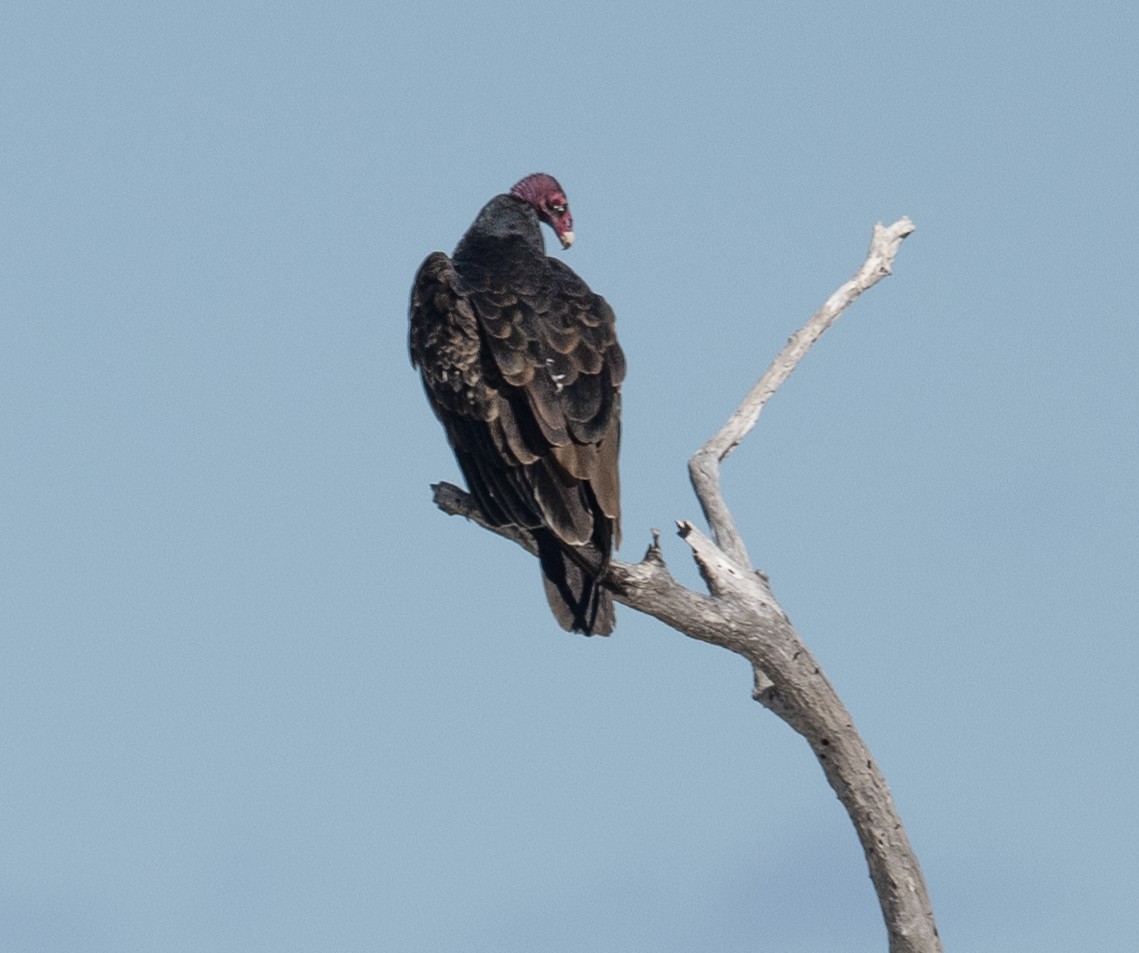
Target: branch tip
x=654 y=554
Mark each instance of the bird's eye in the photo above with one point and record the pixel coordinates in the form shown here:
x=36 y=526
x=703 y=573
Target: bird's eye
x=558 y=208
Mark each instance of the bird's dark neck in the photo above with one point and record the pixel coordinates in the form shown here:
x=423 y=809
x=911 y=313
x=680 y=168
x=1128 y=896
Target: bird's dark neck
x=505 y=228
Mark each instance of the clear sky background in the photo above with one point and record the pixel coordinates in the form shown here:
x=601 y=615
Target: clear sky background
x=258 y=694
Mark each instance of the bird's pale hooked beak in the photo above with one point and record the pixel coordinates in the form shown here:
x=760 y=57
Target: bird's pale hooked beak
x=566 y=238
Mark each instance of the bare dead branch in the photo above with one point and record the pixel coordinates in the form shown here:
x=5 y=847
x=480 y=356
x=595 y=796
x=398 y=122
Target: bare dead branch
x=740 y=613
x=704 y=467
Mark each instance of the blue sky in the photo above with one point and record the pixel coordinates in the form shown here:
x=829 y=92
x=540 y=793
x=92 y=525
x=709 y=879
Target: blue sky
x=256 y=693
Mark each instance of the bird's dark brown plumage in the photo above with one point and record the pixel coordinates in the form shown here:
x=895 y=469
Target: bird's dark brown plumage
x=521 y=364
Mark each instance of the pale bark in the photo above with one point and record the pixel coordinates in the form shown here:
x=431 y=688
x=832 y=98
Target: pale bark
x=740 y=613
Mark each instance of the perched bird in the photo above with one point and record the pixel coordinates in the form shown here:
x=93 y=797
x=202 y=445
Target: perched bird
x=521 y=365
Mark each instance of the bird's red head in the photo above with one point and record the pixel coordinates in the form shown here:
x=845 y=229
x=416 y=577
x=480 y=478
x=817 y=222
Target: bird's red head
x=549 y=201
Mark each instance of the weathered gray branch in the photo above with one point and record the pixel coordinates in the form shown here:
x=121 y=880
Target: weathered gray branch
x=704 y=467
x=740 y=613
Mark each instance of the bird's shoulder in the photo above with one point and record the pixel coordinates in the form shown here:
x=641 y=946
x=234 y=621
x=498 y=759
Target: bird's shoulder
x=546 y=317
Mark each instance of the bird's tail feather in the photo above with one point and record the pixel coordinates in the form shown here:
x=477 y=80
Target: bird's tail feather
x=578 y=600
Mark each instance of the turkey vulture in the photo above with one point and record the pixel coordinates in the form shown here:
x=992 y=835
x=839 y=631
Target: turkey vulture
x=521 y=365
